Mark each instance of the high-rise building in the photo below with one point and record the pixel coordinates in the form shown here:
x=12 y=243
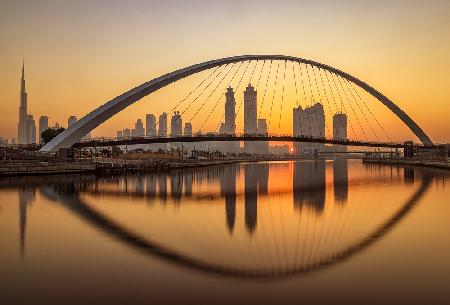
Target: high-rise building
x=43 y=125
x=150 y=125
x=126 y=133
x=31 y=124
x=250 y=117
x=176 y=125
x=229 y=126
x=162 y=126
x=139 y=130
x=26 y=125
x=263 y=146
x=187 y=129
x=230 y=115
x=119 y=134
x=71 y=120
x=340 y=130
x=309 y=122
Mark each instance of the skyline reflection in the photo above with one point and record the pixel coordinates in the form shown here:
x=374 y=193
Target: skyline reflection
x=250 y=184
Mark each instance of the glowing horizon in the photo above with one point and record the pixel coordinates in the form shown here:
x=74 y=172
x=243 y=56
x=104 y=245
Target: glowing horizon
x=75 y=63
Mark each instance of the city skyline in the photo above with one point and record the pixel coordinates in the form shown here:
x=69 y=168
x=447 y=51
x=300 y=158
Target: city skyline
x=406 y=79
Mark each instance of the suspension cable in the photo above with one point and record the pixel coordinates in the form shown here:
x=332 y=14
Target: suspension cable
x=220 y=98
x=320 y=97
x=360 y=109
x=306 y=102
x=340 y=98
x=273 y=95
x=186 y=97
x=265 y=87
x=353 y=110
x=198 y=110
x=204 y=89
x=373 y=116
x=282 y=96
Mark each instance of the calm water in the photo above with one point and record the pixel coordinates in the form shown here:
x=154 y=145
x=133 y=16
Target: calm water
x=325 y=232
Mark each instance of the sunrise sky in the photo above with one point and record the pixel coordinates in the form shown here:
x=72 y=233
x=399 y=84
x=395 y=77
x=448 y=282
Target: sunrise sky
x=80 y=54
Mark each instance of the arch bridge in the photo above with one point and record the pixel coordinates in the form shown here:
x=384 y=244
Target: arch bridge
x=340 y=79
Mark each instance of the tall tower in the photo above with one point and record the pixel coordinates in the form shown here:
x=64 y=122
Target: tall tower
x=150 y=125
x=23 y=129
x=250 y=110
x=176 y=125
x=309 y=122
x=250 y=117
x=71 y=120
x=43 y=125
x=340 y=130
x=162 y=127
x=230 y=114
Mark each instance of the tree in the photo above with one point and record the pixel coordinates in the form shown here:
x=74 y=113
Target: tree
x=116 y=150
x=48 y=134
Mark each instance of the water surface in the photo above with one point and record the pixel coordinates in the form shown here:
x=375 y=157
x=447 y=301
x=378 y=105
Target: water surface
x=323 y=232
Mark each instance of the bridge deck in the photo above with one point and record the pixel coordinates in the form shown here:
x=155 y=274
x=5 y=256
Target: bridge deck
x=231 y=138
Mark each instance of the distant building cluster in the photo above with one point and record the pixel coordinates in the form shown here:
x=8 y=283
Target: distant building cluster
x=310 y=122
x=27 y=124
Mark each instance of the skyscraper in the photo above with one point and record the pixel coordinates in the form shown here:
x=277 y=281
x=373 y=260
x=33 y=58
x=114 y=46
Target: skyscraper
x=340 y=130
x=250 y=117
x=187 y=129
x=162 y=127
x=126 y=133
x=139 y=130
x=43 y=125
x=263 y=146
x=230 y=115
x=26 y=125
x=31 y=129
x=150 y=125
x=176 y=125
x=309 y=122
x=71 y=120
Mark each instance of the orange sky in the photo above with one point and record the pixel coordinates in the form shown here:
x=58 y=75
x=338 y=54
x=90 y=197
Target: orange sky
x=80 y=54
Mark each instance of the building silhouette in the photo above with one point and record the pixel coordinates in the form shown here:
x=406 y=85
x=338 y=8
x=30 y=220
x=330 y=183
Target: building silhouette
x=187 y=129
x=126 y=133
x=228 y=190
x=340 y=180
x=176 y=124
x=230 y=114
x=340 y=130
x=309 y=185
x=309 y=122
x=119 y=134
x=43 y=125
x=27 y=126
x=26 y=197
x=138 y=130
x=72 y=120
x=150 y=125
x=263 y=146
x=162 y=126
x=251 y=196
x=250 y=117
x=229 y=126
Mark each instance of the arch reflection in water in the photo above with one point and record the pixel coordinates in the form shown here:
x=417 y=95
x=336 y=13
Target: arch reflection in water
x=287 y=239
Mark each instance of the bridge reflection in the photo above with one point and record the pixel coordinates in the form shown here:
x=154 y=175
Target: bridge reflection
x=307 y=194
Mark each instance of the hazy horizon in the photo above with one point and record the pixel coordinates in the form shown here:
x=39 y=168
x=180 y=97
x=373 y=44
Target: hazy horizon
x=79 y=55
